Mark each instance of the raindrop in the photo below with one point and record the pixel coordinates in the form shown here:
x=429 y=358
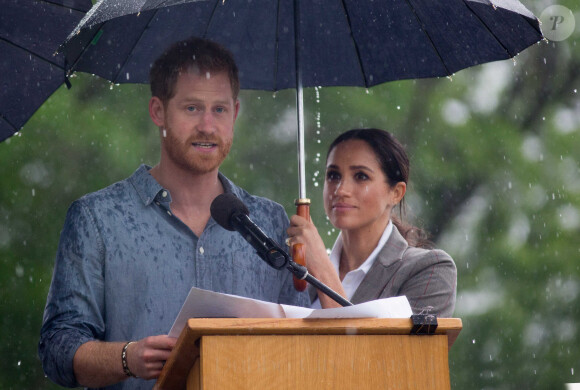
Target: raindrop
x=367 y=91
x=545 y=61
x=33 y=192
x=473 y=341
x=572 y=370
x=127 y=76
x=575 y=90
x=208 y=75
x=450 y=78
x=514 y=60
x=398 y=107
x=164 y=133
x=19 y=363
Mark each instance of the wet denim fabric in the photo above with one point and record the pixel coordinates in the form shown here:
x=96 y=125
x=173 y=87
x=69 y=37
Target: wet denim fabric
x=125 y=265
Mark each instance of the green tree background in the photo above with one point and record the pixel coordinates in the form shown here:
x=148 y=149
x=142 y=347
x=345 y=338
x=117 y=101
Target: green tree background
x=495 y=178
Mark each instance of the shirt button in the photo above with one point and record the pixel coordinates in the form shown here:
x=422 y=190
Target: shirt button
x=201 y=250
x=164 y=194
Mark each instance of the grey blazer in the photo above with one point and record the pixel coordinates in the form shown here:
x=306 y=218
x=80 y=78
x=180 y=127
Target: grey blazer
x=427 y=277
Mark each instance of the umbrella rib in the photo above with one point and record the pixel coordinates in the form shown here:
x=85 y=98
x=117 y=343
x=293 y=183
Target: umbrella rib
x=428 y=36
x=9 y=123
x=358 y=56
x=115 y=79
x=489 y=30
x=210 y=19
x=64 y=6
x=277 y=46
x=32 y=53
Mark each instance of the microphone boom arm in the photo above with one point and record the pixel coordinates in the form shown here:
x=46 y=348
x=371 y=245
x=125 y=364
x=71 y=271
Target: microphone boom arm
x=300 y=272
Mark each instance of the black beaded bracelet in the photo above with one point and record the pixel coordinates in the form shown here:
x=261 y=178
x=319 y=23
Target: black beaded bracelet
x=124 y=360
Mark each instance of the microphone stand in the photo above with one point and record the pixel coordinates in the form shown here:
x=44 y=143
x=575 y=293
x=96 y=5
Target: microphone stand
x=302 y=273
x=277 y=258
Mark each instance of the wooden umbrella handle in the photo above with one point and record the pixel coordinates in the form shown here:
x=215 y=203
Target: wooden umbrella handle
x=298 y=250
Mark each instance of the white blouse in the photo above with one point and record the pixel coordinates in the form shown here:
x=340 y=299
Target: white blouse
x=354 y=278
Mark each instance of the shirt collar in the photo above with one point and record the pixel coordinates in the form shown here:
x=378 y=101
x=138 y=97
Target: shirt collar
x=366 y=266
x=148 y=188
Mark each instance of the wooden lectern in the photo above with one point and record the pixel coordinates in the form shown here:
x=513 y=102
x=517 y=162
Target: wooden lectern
x=268 y=353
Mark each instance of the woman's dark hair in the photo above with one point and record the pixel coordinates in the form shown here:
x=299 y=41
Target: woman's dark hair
x=394 y=163
x=193 y=53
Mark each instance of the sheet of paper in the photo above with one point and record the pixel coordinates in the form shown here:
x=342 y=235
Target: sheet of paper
x=396 y=307
x=208 y=304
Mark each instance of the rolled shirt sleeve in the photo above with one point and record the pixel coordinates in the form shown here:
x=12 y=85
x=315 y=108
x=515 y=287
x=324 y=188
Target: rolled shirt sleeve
x=72 y=315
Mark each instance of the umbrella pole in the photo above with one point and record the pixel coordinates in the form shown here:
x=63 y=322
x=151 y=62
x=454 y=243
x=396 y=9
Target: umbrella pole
x=302 y=203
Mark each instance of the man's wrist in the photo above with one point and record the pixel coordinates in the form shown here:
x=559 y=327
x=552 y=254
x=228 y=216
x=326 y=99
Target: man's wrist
x=126 y=369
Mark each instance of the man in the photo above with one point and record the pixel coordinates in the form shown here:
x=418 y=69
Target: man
x=130 y=253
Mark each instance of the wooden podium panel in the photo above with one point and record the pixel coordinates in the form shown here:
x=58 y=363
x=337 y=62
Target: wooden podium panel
x=309 y=354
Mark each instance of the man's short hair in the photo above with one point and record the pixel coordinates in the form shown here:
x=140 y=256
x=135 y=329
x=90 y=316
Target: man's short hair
x=200 y=54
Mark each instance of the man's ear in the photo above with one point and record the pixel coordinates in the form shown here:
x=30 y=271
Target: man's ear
x=157 y=111
x=236 y=109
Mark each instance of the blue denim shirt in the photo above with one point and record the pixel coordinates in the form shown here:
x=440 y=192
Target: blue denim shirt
x=125 y=265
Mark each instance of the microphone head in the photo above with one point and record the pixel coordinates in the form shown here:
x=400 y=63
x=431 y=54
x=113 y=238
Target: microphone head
x=224 y=207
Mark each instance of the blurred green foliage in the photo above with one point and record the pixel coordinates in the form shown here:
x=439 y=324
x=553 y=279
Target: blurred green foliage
x=495 y=178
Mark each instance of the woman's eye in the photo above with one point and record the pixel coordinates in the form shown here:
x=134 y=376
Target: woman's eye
x=361 y=176
x=331 y=176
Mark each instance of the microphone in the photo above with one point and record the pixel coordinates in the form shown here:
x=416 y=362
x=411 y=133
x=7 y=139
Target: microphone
x=232 y=214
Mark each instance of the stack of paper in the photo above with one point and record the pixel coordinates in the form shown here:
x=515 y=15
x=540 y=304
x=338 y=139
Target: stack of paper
x=208 y=304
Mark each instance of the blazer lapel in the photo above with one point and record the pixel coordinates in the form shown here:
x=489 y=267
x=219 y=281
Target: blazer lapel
x=381 y=272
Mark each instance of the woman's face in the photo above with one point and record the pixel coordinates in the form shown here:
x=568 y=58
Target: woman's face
x=356 y=193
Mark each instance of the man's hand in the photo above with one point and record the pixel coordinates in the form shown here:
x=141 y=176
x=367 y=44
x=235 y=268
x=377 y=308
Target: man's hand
x=147 y=356
x=98 y=363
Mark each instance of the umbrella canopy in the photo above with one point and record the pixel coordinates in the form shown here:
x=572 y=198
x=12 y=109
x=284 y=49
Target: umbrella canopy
x=292 y=43
x=340 y=43
x=30 y=34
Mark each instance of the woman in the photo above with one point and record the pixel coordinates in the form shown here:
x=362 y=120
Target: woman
x=375 y=255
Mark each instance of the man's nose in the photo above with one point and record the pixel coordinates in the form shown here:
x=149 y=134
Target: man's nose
x=207 y=122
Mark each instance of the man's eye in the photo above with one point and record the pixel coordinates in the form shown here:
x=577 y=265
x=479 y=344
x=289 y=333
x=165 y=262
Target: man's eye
x=220 y=110
x=191 y=108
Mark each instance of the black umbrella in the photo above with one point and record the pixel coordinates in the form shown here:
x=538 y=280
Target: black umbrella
x=295 y=44
x=329 y=42
x=30 y=34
